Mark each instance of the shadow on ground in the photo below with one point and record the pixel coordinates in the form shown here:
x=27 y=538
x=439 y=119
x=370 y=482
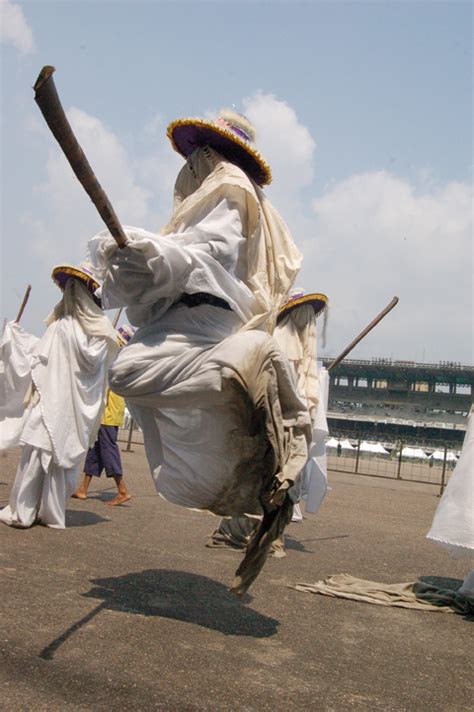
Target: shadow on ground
x=177 y=595
x=82 y=518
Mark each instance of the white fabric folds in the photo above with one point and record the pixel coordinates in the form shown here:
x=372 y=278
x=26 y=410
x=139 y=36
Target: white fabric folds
x=16 y=357
x=224 y=428
x=453 y=522
x=68 y=372
x=314 y=480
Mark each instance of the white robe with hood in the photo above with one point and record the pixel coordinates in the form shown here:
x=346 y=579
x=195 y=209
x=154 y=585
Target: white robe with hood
x=209 y=387
x=68 y=373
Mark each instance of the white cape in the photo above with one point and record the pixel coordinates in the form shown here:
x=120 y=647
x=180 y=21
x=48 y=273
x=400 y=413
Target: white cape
x=16 y=357
x=69 y=375
x=453 y=522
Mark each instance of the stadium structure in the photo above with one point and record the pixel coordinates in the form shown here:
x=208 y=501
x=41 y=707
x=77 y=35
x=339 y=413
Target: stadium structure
x=386 y=400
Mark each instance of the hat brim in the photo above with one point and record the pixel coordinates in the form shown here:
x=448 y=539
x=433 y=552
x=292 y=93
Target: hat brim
x=317 y=301
x=188 y=134
x=62 y=273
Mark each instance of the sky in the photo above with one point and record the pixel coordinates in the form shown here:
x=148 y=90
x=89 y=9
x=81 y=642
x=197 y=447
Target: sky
x=363 y=110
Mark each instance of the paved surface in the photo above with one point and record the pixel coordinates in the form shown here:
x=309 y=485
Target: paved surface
x=127 y=610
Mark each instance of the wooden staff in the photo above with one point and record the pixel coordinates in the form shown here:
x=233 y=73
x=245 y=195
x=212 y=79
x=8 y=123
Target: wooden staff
x=117 y=317
x=368 y=328
x=23 y=304
x=46 y=96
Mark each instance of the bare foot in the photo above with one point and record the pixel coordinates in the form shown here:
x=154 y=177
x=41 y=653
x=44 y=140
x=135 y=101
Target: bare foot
x=119 y=499
x=79 y=495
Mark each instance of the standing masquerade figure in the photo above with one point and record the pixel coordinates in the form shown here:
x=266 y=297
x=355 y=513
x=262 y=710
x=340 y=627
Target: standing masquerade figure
x=68 y=375
x=224 y=428
x=295 y=334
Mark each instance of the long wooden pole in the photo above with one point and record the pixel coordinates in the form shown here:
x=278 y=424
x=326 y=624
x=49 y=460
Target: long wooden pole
x=117 y=317
x=46 y=96
x=23 y=304
x=363 y=333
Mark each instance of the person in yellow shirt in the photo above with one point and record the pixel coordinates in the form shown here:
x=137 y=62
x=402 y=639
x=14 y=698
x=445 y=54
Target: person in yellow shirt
x=105 y=453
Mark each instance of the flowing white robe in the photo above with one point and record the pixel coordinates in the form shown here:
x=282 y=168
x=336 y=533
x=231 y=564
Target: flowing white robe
x=69 y=376
x=16 y=356
x=453 y=522
x=217 y=404
x=179 y=371
x=296 y=336
x=314 y=479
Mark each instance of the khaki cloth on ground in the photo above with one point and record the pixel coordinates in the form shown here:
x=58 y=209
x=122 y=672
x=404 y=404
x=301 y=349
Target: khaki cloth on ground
x=420 y=595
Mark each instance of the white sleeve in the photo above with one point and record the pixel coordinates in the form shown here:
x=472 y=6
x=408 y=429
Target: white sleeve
x=155 y=267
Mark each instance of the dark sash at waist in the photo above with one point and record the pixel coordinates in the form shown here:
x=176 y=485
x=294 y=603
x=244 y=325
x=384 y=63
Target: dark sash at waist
x=194 y=300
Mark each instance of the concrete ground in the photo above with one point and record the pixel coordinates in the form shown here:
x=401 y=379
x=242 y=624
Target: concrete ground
x=127 y=610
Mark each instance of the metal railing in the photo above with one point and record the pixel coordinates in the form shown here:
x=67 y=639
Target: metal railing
x=395 y=465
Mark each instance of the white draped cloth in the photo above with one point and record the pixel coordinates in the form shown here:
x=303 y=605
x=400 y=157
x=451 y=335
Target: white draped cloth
x=68 y=373
x=296 y=336
x=314 y=479
x=16 y=356
x=215 y=398
x=453 y=522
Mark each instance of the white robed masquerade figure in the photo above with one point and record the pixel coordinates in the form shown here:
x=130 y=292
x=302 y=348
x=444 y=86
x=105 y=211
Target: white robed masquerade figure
x=68 y=374
x=453 y=522
x=295 y=333
x=16 y=357
x=224 y=428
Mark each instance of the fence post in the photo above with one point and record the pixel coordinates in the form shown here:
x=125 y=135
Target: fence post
x=399 y=471
x=129 y=443
x=357 y=457
x=443 y=473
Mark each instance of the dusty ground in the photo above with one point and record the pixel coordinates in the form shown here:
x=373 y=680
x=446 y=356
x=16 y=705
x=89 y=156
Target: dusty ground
x=127 y=610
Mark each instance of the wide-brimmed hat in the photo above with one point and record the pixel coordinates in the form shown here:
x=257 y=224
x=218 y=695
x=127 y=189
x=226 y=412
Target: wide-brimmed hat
x=317 y=301
x=62 y=273
x=231 y=134
x=124 y=334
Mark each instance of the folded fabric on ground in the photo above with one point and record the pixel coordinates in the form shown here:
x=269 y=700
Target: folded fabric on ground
x=420 y=595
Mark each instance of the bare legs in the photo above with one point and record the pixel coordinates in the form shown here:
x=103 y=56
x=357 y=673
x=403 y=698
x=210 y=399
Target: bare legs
x=123 y=495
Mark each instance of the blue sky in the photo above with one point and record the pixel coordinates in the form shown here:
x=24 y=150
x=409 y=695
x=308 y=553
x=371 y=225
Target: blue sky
x=364 y=111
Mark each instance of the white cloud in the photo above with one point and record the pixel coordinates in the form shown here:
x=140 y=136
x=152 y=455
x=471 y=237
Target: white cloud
x=289 y=148
x=375 y=237
x=284 y=141
x=14 y=29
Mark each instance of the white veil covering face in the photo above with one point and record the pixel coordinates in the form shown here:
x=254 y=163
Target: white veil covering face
x=77 y=302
